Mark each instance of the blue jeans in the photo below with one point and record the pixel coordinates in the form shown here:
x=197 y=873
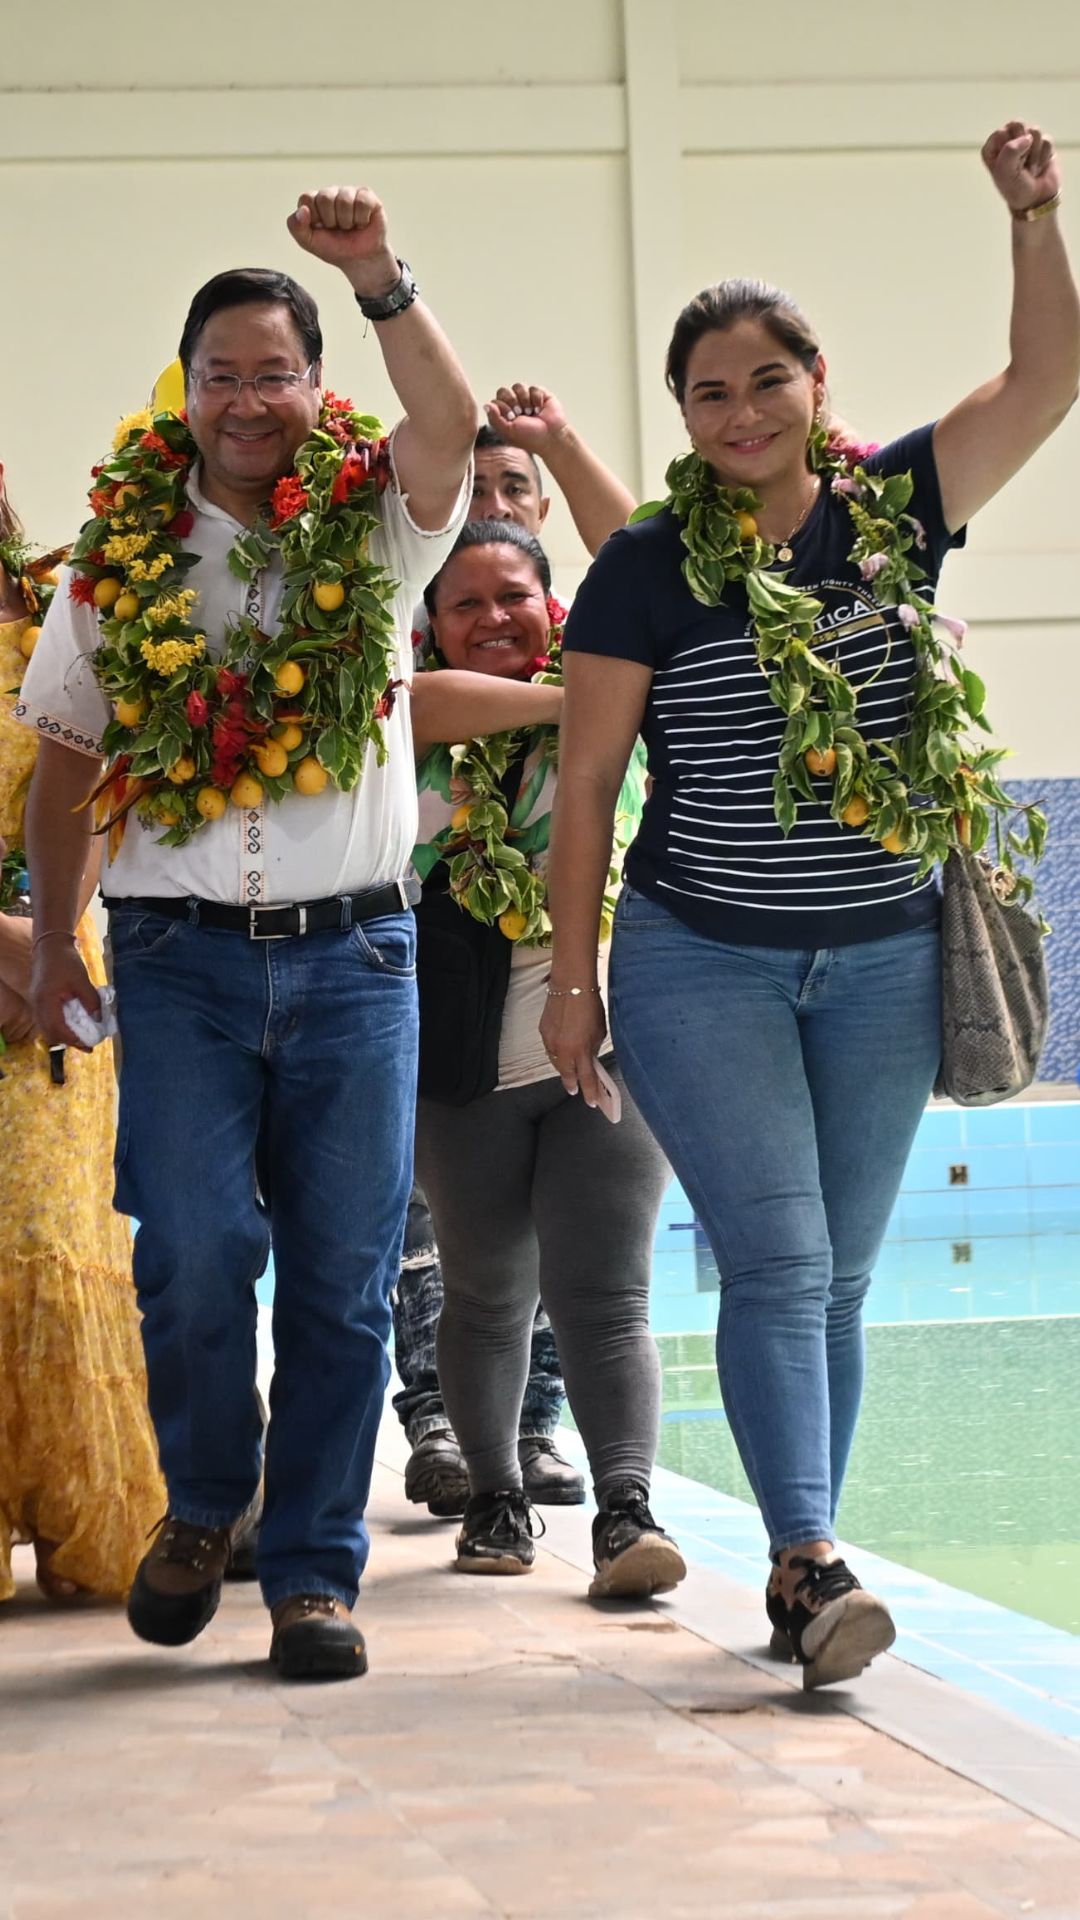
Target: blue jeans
x=785 y=1087
x=418 y=1299
x=294 y=1060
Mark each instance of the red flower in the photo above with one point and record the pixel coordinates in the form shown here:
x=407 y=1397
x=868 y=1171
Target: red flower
x=154 y=443
x=338 y=431
x=101 y=502
x=97 y=558
x=94 y=472
x=384 y=708
x=81 y=589
x=230 y=684
x=541 y=663
x=181 y=523
x=353 y=472
x=556 y=612
x=331 y=403
x=197 y=709
x=287 y=500
x=380 y=463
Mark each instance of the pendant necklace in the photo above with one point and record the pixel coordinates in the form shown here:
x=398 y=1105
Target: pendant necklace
x=783 y=551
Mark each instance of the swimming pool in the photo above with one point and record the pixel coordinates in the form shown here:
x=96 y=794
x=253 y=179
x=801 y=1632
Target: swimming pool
x=966 y=1466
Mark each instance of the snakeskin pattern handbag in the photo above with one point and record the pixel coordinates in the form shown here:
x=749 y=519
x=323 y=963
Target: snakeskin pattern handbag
x=995 y=997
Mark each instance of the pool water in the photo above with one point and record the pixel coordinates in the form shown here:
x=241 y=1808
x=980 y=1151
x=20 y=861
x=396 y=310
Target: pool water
x=966 y=1465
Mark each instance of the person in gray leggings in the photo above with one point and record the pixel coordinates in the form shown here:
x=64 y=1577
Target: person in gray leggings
x=534 y=1195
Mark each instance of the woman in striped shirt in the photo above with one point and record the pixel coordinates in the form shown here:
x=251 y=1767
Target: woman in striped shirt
x=776 y=997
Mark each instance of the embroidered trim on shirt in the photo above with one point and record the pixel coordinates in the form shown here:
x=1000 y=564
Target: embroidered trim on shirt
x=58 y=730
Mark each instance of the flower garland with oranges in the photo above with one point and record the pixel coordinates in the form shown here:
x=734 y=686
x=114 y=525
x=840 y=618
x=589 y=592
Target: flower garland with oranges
x=490 y=878
x=273 y=714
x=923 y=794
x=36 y=578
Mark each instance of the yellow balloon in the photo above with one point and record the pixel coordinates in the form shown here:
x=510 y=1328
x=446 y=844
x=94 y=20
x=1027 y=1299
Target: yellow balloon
x=167 y=395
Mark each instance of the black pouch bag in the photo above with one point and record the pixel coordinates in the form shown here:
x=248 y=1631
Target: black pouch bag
x=463 y=975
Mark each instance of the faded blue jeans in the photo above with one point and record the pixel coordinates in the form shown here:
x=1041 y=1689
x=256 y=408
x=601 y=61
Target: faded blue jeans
x=785 y=1087
x=418 y=1298
x=303 y=1052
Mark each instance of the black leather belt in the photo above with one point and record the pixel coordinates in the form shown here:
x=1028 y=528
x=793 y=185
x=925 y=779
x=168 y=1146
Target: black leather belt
x=340 y=912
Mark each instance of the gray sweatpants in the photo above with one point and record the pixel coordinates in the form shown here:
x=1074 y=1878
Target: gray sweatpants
x=534 y=1196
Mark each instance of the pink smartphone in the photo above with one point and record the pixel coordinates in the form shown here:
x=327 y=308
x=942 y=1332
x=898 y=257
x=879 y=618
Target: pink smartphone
x=610 y=1098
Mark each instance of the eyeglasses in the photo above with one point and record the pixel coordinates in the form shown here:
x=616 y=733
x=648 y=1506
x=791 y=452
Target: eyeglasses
x=273 y=389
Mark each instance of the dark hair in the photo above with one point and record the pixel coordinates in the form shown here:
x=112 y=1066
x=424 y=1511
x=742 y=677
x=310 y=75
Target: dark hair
x=716 y=308
x=10 y=524
x=248 y=287
x=492 y=533
x=486 y=438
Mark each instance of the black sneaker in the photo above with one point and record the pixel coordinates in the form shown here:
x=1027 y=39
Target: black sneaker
x=780 y=1640
x=177 y=1587
x=435 y=1475
x=632 y=1554
x=548 y=1479
x=245 y=1541
x=496 y=1534
x=834 y=1628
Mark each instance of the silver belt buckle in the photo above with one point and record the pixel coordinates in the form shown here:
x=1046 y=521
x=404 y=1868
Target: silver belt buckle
x=253 y=929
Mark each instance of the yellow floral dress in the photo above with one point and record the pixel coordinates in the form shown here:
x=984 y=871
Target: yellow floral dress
x=78 y=1459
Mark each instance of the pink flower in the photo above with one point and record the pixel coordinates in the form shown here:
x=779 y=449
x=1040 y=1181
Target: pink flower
x=920 y=533
x=842 y=483
x=908 y=616
x=957 y=628
x=873 y=565
x=197 y=709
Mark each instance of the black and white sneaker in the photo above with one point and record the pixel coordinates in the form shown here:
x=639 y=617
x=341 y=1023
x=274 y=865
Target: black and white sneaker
x=497 y=1533
x=834 y=1627
x=633 y=1555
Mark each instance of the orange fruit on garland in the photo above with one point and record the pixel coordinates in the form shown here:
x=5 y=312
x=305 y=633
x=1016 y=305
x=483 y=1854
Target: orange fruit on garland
x=271 y=759
x=329 y=595
x=513 y=923
x=310 y=776
x=287 y=735
x=28 y=640
x=821 y=760
x=211 y=802
x=182 y=771
x=126 y=606
x=289 y=677
x=857 y=811
x=246 y=791
x=459 y=819
x=106 y=592
x=894 y=842
x=130 y=712
x=746 y=524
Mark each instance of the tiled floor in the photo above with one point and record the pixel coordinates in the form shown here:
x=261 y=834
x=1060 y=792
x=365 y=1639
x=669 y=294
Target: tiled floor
x=513 y=1752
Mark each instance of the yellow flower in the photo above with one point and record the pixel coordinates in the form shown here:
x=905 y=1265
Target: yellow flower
x=124 y=547
x=174 y=606
x=168 y=656
x=140 y=422
x=142 y=570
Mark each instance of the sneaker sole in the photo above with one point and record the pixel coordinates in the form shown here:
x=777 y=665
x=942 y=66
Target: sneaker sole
x=556 y=1496
x=650 y=1565
x=495 y=1563
x=168 y=1620
x=861 y=1629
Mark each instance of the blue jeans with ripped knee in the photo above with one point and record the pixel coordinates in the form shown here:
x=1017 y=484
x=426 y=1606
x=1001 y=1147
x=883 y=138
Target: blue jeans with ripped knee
x=785 y=1087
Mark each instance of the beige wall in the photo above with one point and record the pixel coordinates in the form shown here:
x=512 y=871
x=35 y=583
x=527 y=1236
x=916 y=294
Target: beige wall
x=561 y=178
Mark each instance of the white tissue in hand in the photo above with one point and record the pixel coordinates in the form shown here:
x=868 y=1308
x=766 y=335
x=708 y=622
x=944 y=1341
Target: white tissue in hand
x=83 y=1024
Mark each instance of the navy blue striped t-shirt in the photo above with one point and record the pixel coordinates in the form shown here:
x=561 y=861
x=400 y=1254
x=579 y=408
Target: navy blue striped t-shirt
x=709 y=847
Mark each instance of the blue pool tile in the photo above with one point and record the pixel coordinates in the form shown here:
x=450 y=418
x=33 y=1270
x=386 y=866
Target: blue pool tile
x=1054 y=1209
x=996 y=1211
x=1055 y=1165
x=1054 y=1120
x=940 y=1127
x=927 y=1170
x=996 y=1166
x=928 y=1216
x=995 y=1126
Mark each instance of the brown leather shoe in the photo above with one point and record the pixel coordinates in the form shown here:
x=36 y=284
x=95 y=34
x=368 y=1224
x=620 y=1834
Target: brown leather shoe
x=314 y=1639
x=178 y=1585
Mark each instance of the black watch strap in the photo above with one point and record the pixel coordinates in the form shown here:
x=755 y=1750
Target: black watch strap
x=386 y=305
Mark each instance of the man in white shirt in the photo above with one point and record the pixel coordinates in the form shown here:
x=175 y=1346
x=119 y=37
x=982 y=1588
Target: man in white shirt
x=265 y=983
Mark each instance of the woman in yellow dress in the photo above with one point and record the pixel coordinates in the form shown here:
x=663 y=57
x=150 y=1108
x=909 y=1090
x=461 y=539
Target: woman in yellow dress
x=78 y=1463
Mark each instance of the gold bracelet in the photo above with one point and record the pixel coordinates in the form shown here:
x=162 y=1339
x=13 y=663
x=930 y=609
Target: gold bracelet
x=569 y=993
x=1037 y=213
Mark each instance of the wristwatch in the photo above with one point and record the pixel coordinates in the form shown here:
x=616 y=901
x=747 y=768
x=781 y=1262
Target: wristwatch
x=386 y=305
